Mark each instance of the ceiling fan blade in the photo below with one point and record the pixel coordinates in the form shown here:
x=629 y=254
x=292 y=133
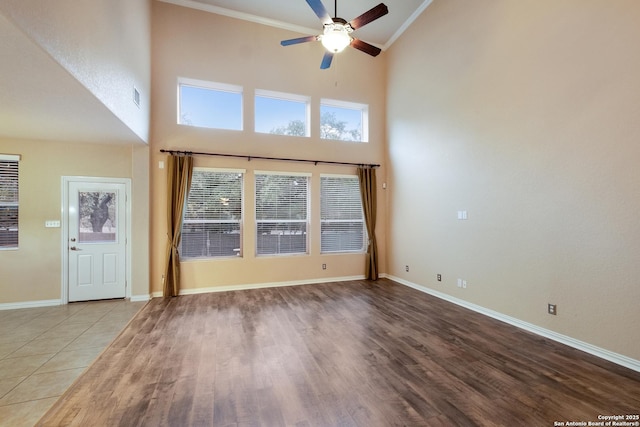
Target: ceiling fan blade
x=370 y=15
x=365 y=47
x=326 y=60
x=320 y=11
x=299 y=40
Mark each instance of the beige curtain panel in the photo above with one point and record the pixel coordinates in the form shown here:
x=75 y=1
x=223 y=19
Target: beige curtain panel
x=179 y=171
x=367 y=178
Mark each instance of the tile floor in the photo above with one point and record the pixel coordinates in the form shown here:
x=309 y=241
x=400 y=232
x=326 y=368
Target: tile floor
x=43 y=350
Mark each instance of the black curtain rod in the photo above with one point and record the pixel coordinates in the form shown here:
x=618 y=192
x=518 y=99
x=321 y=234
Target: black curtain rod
x=249 y=158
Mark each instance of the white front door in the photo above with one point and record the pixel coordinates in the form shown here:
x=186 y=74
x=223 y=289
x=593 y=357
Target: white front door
x=96 y=240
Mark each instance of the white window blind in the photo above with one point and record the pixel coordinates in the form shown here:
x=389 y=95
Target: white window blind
x=282 y=216
x=212 y=221
x=8 y=202
x=341 y=217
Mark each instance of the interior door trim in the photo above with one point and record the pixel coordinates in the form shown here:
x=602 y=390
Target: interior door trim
x=64 y=234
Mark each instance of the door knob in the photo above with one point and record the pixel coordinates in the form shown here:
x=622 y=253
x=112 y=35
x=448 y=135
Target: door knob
x=73 y=239
x=73 y=248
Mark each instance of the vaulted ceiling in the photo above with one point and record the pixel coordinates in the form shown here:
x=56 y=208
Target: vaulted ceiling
x=40 y=100
x=296 y=15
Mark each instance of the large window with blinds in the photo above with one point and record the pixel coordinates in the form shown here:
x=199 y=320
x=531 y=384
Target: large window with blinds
x=8 y=201
x=212 y=221
x=282 y=213
x=342 y=224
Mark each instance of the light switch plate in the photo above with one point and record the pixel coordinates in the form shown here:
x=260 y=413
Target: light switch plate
x=52 y=224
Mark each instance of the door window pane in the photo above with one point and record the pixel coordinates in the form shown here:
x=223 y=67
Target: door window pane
x=97 y=217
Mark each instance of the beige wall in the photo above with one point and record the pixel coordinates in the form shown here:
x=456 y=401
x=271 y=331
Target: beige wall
x=104 y=44
x=525 y=114
x=198 y=45
x=33 y=272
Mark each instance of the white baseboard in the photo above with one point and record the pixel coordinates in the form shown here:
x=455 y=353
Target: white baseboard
x=30 y=304
x=602 y=353
x=261 y=285
x=138 y=298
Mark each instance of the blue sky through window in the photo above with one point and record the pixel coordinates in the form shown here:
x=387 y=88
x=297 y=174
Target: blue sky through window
x=210 y=108
x=272 y=113
x=351 y=116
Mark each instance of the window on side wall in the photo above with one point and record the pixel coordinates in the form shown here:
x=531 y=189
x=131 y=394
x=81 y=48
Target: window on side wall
x=342 y=224
x=212 y=221
x=281 y=113
x=282 y=213
x=9 y=201
x=209 y=104
x=344 y=121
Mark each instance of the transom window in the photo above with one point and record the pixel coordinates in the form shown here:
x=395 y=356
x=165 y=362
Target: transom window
x=209 y=104
x=212 y=222
x=344 y=121
x=281 y=113
x=9 y=201
x=342 y=224
x=282 y=213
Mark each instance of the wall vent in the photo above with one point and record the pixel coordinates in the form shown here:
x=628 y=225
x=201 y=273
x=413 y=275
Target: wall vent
x=136 y=97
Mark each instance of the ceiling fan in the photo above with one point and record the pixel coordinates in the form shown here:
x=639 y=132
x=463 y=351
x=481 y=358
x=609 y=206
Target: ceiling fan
x=337 y=32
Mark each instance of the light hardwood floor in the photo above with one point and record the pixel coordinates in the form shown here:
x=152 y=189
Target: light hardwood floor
x=43 y=350
x=337 y=354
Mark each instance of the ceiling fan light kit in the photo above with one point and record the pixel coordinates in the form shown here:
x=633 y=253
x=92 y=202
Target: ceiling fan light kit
x=336 y=35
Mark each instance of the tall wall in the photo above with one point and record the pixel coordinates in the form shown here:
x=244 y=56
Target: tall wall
x=104 y=44
x=205 y=46
x=524 y=114
x=32 y=273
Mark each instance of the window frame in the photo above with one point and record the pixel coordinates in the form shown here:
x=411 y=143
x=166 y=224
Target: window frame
x=239 y=221
x=347 y=105
x=12 y=158
x=306 y=221
x=212 y=86
x=324 y=221
x=283 y=96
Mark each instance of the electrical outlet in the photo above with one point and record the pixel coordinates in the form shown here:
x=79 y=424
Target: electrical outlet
x=324 y=266
x=464 y=284
x=552 y=309
x=439 y=276
x=406 y=268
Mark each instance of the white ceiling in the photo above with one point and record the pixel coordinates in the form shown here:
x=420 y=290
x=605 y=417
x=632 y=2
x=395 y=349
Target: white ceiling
x=296 y=15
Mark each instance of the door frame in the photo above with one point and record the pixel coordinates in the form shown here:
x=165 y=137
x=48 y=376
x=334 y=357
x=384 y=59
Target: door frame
x=64 y=246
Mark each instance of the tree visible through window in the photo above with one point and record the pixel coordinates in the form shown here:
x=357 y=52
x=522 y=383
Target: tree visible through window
x=344 y=121
x=8 y=202
x=211 y=226
x=281 y=113
x=330 y=128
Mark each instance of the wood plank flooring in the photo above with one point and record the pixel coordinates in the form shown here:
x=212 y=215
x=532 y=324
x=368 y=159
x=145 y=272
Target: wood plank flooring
x=338 y=354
